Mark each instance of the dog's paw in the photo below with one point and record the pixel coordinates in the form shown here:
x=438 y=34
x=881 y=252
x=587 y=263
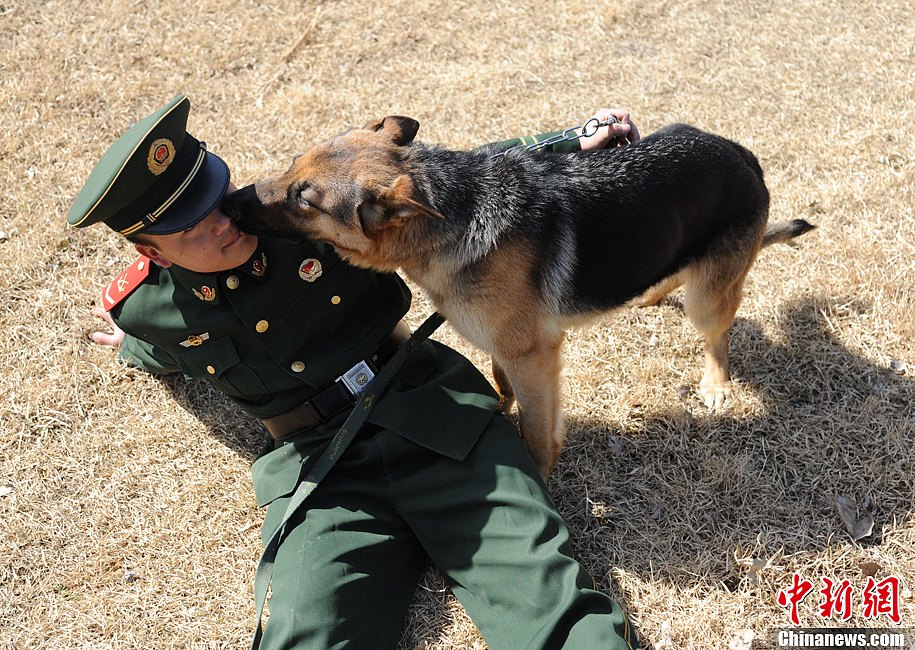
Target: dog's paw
x=715 y=395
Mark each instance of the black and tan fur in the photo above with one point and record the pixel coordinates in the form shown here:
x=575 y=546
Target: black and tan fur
x=515 y=249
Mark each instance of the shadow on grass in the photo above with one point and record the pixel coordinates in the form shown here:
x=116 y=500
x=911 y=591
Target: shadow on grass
x=225 y=421
x=690 y=492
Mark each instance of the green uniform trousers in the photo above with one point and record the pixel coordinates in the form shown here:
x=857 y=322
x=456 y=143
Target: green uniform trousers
x=347 y=570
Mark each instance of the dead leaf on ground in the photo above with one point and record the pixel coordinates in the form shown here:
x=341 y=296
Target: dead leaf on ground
x=756 y=568
x=742 y=640
x=869 y=569
x=664 y=640
x=857 y=527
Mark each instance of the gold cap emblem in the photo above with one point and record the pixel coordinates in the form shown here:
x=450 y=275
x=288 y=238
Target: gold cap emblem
x=161 y=154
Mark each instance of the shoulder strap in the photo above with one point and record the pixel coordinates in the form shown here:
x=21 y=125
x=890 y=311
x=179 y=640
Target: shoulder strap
x=123 y=285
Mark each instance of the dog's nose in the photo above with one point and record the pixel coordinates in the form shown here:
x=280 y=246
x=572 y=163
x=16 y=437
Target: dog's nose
x=229 y=207
x=236 y=203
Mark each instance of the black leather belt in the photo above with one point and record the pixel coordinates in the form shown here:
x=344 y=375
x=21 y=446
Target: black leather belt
x=342 y=394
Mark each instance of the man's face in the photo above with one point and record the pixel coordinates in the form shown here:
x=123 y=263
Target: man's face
x=212 y=245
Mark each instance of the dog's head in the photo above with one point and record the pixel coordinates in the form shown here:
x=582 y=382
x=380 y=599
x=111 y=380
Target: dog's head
x=353 y=191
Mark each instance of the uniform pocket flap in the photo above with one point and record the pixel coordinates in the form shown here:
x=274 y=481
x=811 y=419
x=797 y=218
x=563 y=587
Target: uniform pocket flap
x=439 y=401
x=210 y=359
x=446 y=421
x=277 y=473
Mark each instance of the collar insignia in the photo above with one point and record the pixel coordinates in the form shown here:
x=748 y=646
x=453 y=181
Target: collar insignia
x=206 y=294
x=259 y=267
x=310 y=269
x=195 y=339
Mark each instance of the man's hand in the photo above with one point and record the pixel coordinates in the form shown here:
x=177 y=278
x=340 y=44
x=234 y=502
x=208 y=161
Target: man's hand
x=114 y=339
x=615 y=135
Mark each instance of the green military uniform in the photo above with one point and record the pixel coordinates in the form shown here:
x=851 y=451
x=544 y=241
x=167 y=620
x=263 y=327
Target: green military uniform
x=435 y=473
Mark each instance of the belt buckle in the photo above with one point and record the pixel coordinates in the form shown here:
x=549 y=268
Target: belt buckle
x=357 y=378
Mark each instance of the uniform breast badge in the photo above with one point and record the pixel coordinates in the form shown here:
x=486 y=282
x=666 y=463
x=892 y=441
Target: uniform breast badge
x=206 y=294
x=195 y=339
x=310 y=270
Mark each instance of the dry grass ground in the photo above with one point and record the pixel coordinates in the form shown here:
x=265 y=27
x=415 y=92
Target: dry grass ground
x=694 y=522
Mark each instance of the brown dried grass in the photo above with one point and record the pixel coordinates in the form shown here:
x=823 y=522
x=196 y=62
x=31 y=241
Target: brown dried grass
x=694 y=522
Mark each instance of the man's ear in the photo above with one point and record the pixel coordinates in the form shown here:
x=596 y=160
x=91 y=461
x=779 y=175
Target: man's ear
x=401 y=130
x=394 y=206
x=153 y=254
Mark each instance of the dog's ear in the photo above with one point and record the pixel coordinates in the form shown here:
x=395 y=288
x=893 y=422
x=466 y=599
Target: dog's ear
x=394 y=206
x=402 y=199
x=401 y=130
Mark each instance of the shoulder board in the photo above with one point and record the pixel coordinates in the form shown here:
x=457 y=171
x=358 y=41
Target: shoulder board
x=123 y=285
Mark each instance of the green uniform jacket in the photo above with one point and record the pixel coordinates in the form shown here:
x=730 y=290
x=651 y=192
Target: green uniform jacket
x=272 y=333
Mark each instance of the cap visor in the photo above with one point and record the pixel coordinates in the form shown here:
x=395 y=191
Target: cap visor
x=197 y=201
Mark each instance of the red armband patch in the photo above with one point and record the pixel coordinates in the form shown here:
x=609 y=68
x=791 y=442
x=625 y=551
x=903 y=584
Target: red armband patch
x=123 y=285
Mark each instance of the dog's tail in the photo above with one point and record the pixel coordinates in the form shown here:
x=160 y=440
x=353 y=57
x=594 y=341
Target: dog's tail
x=786 y=231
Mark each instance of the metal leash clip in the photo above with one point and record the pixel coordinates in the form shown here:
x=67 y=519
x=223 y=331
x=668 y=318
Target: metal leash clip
x=596 y=124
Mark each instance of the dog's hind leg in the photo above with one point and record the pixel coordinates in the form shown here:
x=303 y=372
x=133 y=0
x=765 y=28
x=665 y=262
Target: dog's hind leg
x=504 y=388
x=534 y=376
x=713 y=289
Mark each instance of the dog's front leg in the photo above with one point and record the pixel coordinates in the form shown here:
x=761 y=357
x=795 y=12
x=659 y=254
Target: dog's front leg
x=715 y=386
x=504 y=388
x=534 y=376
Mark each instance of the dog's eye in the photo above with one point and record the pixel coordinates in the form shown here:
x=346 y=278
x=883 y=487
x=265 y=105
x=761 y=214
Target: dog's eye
x=305 y=196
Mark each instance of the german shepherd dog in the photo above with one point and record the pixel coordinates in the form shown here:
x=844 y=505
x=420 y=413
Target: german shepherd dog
x=515 y=249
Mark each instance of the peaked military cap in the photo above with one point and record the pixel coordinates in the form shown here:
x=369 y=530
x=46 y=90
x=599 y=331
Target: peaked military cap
x=156 y=178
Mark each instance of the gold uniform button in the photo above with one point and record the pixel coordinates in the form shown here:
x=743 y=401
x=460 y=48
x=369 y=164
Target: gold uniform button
x=262 y=326
x=232 y=282
x=297 y=366
x=335 y=300
x=211 y=370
